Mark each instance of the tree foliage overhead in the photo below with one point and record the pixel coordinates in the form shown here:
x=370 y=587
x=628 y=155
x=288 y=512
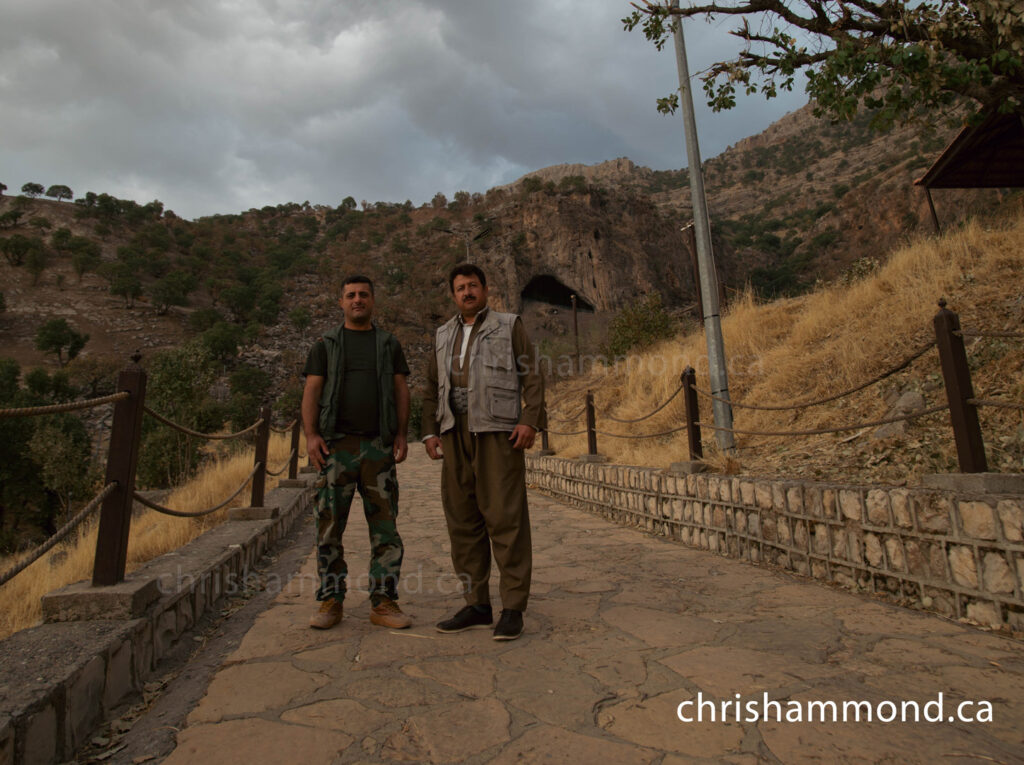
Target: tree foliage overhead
x=893 y=56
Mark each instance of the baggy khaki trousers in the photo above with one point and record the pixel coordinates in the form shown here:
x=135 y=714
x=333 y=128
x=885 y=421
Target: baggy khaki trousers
x=483 y=490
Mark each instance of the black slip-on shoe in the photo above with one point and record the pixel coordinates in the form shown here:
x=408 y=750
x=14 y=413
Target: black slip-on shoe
x=509 y=626
x=467 y=618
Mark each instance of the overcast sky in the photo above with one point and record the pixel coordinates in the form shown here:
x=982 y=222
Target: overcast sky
x=217 y=106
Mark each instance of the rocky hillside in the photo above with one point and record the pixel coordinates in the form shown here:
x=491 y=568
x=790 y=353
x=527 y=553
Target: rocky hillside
x=276 y=271
x=803 y=201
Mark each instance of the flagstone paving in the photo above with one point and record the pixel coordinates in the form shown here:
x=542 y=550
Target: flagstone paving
x=622 y=628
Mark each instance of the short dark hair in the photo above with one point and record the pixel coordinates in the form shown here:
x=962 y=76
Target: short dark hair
x=356 y=279
x=466 y=269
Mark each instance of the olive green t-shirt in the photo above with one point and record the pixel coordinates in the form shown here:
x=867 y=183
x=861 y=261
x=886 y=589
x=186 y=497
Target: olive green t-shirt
x=359 y=408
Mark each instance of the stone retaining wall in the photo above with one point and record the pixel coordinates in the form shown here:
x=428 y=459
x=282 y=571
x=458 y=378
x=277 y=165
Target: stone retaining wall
x=60 y=680
x=959 y=554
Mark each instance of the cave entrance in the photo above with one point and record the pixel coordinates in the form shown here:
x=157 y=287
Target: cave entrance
x=547 y=289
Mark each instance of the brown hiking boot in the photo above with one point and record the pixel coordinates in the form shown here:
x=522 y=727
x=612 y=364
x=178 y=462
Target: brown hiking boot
x=327 y=616
x=388 y=614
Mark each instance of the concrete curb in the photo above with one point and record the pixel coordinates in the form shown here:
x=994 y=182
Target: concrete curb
x=60 y=680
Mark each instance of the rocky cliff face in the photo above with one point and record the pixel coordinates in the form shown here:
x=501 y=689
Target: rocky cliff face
x=806 y=197
x=605 y=248
x=619 y=172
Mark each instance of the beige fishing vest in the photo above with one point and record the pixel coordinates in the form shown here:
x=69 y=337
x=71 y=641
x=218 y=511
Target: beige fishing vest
x=493 y=380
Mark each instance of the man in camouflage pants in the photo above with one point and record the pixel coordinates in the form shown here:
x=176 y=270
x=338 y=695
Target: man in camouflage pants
x=355 y=412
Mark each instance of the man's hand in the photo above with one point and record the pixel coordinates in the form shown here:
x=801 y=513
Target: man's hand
x=401 y=448
x=522 y=437
x=433 y=445
x=317 y=450
x=316 y=447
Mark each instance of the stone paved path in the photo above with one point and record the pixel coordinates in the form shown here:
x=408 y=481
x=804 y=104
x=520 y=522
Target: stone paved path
x=621 y=629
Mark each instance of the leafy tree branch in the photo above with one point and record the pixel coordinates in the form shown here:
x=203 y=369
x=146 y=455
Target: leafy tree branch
x=893 y=57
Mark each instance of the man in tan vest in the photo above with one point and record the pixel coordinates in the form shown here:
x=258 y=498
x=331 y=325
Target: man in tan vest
x=481 y=410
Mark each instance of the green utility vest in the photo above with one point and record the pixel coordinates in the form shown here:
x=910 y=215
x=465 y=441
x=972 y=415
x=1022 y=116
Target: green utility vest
x=334 y=342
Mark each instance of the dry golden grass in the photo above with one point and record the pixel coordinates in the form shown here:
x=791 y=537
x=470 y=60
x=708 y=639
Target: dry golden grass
x=152 y=534
x=825 y=342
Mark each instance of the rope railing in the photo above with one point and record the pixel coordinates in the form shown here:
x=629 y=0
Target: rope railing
x=995 y=403
x=71 y=406
x=198 y=513
x=286 y=429
x=122 y=460
x=187 y=431
x=571 y=418
x=979 y=333
x=642 y=435
x=286 y=465
x=837 y=429
x=962 y=404
x=650 y=414
x=572 y=433
x=61 y=534
x=805 y=404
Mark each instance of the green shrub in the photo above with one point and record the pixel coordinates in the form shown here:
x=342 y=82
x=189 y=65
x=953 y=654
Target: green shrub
x=203 y=318
x=222 y=339
x=288 y=403
x=824 y=240
x=248 y=384
x=58 y=337
x=573 y=183
x=177 y=388
x=44 y=461
x=300 y=318
x=638 y=326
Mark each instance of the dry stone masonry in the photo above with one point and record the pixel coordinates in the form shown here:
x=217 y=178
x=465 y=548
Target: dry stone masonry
x=955 y=553
x=98 y=646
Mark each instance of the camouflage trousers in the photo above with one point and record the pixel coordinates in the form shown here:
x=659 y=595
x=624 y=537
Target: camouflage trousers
x=369 y=466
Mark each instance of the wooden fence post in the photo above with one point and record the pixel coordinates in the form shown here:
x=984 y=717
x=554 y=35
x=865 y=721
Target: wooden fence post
x=293 y=464
x=689 y=379
x=116 y=512
x=591 y=425
x=259 y=480
x=970 y=448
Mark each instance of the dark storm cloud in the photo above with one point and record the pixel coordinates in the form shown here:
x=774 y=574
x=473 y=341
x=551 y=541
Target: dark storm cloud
x=218 y=106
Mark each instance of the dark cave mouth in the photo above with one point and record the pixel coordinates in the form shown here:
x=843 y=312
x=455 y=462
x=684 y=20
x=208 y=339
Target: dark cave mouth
x=547 y=289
